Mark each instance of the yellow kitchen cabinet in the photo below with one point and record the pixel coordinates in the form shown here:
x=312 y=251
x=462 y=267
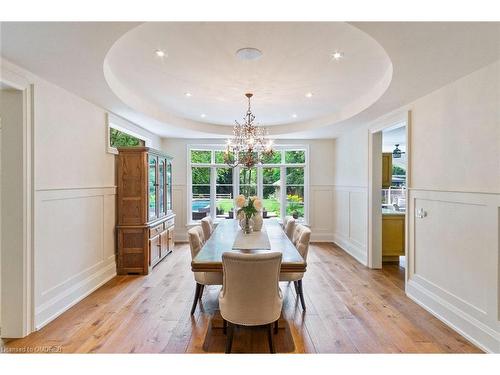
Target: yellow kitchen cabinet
x=386 y=169
x=393 y=236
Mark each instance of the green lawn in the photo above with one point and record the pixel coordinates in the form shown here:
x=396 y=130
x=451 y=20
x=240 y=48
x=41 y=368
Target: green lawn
x=271 y=205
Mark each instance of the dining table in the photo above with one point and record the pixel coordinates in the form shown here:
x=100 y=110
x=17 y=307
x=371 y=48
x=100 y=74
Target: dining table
x=229 y=237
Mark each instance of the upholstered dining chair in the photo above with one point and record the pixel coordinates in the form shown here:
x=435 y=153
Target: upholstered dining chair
x=290 y=227
x=208 y=227
x=301 y=238
x=196 y=242
x=284 y=221
x=245 y=302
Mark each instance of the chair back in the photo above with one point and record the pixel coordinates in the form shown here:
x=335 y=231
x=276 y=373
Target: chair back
x=196 y=240
x=208 y=227
x=301 y=239
x=290 y=227
x=250 y=292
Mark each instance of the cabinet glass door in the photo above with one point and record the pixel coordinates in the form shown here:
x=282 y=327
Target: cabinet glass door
x=152 y=185
x=161 y=186
x=169 y=186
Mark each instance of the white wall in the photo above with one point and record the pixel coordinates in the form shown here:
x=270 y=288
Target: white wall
x=455 y=178
x=11 y=296
x=320 y=179
x=350 y=171
x=74 y=203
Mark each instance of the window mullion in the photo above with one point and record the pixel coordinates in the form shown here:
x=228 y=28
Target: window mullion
x=213 y=176
x=283 y=191
x=260 y=189
x=236 y=180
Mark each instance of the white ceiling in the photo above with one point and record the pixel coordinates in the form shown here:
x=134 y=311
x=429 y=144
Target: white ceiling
x=202 y=61
x=393 y=137
x=88 y=58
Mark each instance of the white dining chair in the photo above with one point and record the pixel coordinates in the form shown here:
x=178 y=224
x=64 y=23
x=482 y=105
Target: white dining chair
x=301 y=238
x=283 y=222
x=250 y=294
x=196 y=242
x=208 y=227
x=290 y=227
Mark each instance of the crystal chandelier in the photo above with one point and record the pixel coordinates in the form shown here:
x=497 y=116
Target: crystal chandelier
x=249 y=143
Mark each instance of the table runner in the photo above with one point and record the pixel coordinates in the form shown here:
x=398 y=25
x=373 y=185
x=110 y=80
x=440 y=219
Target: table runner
x=254 y=240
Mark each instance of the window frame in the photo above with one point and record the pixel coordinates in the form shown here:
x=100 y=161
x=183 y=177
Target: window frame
x=114 y=122
x=236 y=177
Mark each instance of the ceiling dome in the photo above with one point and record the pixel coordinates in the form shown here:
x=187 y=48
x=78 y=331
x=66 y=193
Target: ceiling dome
x=200 y=81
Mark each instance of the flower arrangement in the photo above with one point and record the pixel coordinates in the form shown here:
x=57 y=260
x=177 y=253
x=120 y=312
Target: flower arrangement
x=247 y=208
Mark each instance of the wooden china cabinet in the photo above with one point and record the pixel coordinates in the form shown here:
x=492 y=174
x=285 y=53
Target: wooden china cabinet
x=145 y=221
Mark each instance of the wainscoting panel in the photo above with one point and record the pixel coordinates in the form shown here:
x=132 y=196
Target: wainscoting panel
x=180 y=209
x=74 y=247
x=321 y=213
x=350 y=220
x=454 y=252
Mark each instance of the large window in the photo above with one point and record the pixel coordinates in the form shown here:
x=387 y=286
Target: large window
x=281 y=181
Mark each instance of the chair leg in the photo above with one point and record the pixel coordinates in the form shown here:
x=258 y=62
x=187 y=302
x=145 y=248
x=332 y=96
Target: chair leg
x=270 y=338
x=296 y=287
x=276 y=327
x=301 y=294
x=229 y=338
x=201 y=291
x=224 y=326
x=196 y=297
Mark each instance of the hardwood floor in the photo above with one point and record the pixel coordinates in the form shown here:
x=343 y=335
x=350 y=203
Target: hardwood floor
x=350 y=309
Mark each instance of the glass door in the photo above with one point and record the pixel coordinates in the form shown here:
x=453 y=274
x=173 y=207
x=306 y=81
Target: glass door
x=152 y=188
x=169 y=186
x=161 y=186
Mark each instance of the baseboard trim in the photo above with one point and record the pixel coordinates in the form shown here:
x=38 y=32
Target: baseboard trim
x=321 y=237
x=181 y=237
x=473 y=330
x=353 y=249
x=56 y=306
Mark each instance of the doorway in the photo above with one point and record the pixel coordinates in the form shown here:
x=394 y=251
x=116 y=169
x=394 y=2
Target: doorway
x=16 y=207
x=388 y=193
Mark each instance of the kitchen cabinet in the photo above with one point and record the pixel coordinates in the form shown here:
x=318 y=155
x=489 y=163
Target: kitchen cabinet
x=393 y=236
x=386 y=170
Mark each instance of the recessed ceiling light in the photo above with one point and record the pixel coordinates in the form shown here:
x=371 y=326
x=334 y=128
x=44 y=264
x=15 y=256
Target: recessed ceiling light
x=188 y=94
x=294 y=115
x=160 y=53
x=203 y=115
x=309 y=95
x=249 y=53
x=337 y=55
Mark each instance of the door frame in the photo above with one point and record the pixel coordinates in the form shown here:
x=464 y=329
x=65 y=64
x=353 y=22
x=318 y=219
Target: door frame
x=374 y=250
x=26 y=310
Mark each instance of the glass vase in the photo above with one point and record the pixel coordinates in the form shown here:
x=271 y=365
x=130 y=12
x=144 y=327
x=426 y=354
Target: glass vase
x=246 y=225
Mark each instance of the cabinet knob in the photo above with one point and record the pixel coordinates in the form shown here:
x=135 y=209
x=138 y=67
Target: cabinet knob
x=421 y=213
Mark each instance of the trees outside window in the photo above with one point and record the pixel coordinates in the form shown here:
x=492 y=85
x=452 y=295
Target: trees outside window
x=118 y=138
x=280 y=182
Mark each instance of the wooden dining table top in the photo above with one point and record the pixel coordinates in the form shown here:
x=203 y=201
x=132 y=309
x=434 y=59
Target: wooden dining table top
x=209 y=259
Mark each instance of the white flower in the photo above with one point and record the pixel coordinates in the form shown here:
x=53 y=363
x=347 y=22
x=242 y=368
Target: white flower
x=257 y=203
x=240 y=200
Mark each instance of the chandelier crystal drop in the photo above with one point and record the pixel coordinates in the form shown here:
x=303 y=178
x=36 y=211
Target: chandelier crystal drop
x=249 y=143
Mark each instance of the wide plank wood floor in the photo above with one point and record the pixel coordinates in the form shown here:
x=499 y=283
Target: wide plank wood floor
x=350 y=309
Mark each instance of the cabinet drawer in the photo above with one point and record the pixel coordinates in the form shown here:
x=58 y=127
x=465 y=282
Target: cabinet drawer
x=156 y=230
x=168 y=223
